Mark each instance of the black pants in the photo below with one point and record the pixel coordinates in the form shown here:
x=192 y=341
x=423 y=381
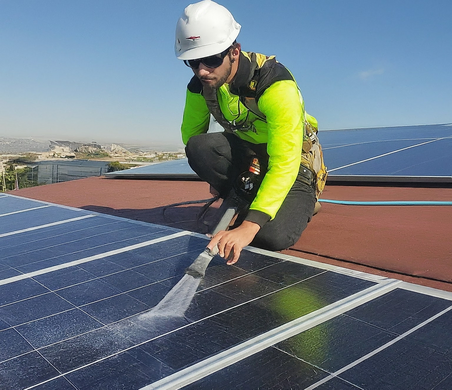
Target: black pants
x=219 y=158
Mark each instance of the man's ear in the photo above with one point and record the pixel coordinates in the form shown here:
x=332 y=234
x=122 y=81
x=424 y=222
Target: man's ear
x=234 y=54
x=236 y=49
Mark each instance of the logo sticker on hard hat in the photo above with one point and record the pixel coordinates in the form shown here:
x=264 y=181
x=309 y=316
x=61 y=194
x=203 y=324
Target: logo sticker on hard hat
x=193 y=38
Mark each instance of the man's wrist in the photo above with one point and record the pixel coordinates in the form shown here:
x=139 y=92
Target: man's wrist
x=257 y=217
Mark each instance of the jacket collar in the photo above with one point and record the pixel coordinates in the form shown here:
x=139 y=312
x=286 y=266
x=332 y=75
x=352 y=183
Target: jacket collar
x=245 y=72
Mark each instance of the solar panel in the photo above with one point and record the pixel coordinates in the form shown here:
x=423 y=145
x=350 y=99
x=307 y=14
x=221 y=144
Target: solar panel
x=169 y=169
x=408 y=151
x=77 y=292
x=397 y=151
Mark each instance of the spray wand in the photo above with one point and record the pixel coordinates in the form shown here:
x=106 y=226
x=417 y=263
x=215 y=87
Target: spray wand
x=247 y=185
x=198 y=268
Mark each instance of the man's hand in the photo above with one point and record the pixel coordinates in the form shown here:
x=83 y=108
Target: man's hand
x=230 y=243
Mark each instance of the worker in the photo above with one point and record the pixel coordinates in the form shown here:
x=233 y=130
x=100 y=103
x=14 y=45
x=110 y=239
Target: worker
x=257 y=102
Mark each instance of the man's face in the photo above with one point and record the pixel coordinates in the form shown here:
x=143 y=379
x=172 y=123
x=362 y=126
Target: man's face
x=215 y=77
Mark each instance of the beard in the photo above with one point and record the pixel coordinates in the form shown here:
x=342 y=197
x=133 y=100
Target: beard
x=215 y=82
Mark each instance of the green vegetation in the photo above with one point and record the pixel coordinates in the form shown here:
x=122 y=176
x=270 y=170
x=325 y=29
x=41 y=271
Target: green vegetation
x=25 y=158
x=91 y=155
x=142 y=159
x=14 y=177
x=157 y=157
x=117 y=166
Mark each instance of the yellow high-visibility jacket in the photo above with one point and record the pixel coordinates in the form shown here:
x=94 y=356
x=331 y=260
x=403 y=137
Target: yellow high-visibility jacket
x=278 y=120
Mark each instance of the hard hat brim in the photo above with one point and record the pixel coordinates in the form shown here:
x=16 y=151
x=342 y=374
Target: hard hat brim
x=202 y=51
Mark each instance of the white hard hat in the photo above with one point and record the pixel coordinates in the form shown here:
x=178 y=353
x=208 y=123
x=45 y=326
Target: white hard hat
x=204 y=29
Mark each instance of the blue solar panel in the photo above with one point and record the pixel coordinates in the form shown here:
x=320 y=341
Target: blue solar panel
x=77 y=294
x=173 y=168
x=411 y=151
x=398 y=151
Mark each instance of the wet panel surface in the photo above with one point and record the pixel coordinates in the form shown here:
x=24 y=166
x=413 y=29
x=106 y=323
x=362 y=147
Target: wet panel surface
x=361 y=354
x=263 y=371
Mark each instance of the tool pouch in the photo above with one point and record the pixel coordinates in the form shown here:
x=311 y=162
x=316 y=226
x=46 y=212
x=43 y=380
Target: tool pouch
x=312 y=156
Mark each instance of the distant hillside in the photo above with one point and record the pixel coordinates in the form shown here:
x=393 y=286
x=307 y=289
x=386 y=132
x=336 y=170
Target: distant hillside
x=22 y=145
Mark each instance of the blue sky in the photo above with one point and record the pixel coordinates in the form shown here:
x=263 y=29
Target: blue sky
x=105 y=70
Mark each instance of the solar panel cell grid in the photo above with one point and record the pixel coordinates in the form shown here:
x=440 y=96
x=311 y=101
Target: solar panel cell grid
x=84 y=320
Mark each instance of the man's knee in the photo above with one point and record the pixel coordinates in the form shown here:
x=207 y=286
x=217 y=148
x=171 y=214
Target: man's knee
x=206 y=141
x=195 y=147
x=199 y=152
x=275 y=242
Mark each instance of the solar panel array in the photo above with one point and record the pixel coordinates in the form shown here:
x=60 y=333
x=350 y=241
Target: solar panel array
x=390 y=151
x=409 y=151
x=77 y=292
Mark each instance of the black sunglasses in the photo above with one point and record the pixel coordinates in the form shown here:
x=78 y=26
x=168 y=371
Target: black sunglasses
x=211 y=62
